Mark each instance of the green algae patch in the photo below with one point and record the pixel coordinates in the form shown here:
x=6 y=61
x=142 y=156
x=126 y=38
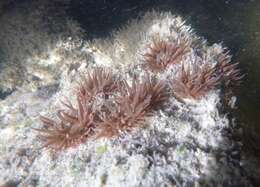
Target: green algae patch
x=101 y=149
x=180 y=150
x=103 y=180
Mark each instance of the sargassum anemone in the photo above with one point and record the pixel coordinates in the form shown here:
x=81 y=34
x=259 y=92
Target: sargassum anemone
x=161 y=54
x=132 y=106
x=74 y=127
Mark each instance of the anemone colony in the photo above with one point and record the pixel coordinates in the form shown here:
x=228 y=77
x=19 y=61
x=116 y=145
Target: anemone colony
x=163 y=53
x=126 y=106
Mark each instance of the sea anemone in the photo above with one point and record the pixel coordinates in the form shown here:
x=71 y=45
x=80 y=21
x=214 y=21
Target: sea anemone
x=231 y=75
x=160 y=54
x=74 y=127
x=77 y=124
x=97 y=81
x=132 y=106
x=195 y=82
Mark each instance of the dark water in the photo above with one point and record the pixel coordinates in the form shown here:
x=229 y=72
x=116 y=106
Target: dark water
x=235 y=23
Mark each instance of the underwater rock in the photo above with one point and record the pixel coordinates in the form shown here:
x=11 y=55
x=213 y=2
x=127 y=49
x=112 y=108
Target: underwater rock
x=29 y=40
x=185 y=142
